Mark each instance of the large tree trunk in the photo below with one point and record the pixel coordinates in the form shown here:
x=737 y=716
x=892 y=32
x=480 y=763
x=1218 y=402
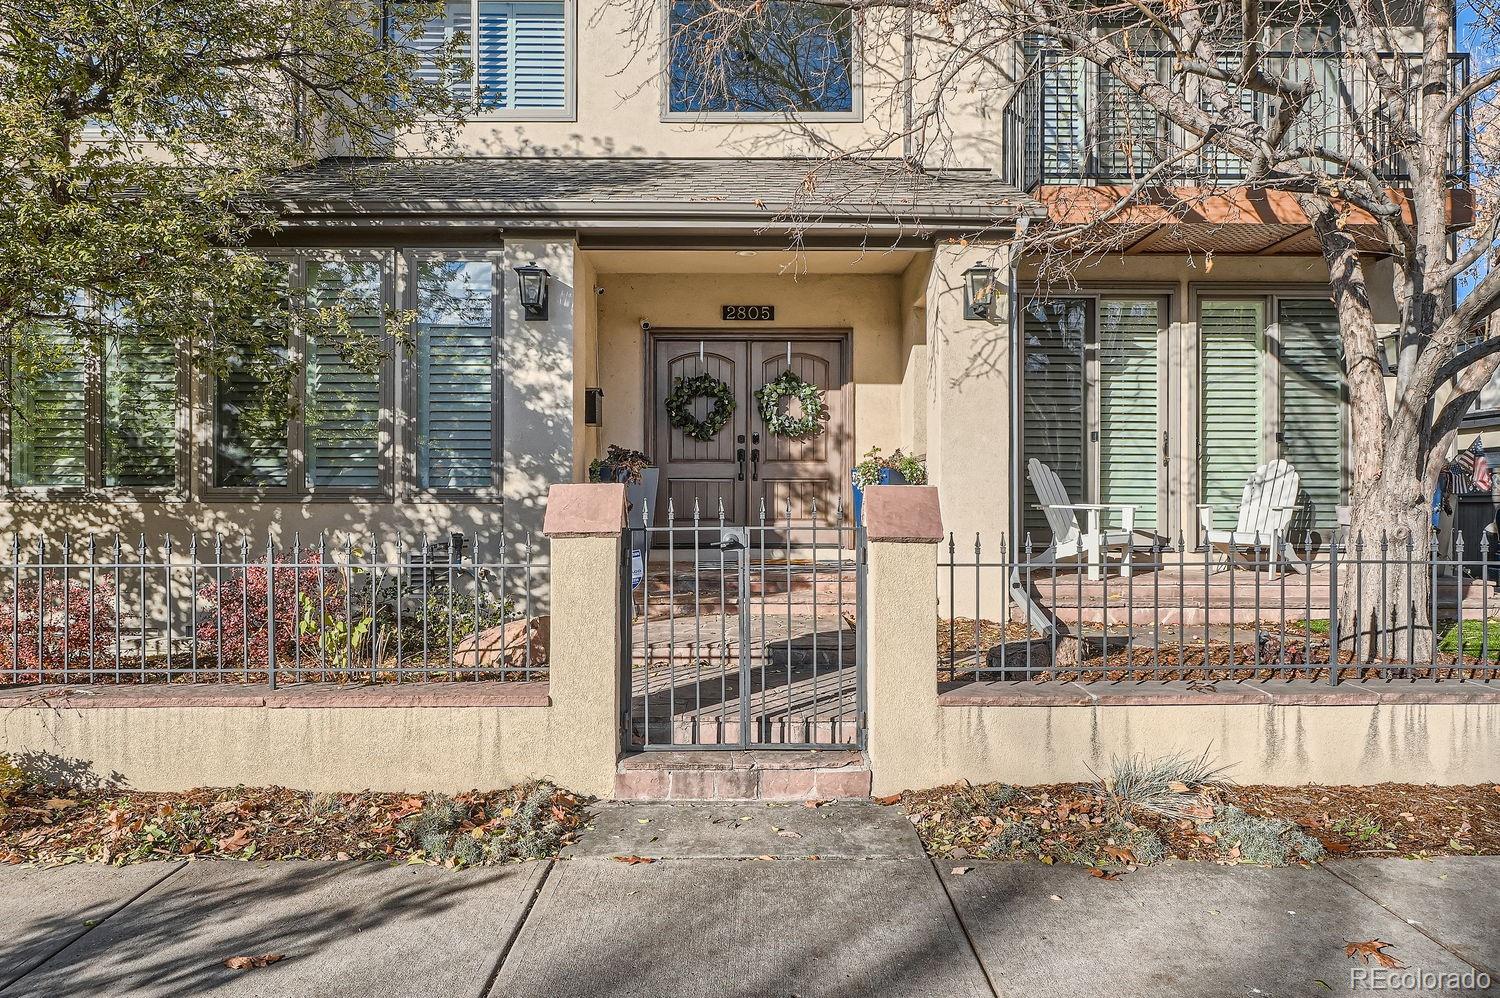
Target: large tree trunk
x=1385 y=576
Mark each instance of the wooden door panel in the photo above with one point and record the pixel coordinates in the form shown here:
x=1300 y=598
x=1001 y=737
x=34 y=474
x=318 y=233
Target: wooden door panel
x=705 y=470
x=816 y=468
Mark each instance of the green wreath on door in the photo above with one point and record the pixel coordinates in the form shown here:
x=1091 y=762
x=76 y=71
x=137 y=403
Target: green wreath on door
x=779 y=420
x=687 y=390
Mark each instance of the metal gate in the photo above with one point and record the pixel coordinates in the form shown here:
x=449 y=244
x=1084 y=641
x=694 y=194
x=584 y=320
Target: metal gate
x=743 y=636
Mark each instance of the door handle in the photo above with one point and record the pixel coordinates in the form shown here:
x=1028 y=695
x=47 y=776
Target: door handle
x=755 y=465
x=739 y=456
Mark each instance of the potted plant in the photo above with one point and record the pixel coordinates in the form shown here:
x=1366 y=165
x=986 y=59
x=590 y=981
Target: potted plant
x=876 y=468
x=632 y=469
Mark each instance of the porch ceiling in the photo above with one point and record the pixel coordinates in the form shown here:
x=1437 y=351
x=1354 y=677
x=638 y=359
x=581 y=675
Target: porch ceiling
x=751 y=261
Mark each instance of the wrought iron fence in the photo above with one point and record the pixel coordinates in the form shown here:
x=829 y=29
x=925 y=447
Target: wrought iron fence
x=743 y=636
x=1070 y=122
x=459 y=607
x=1349 y=609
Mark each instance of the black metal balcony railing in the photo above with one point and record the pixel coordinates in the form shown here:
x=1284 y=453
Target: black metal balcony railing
x=1070 y=122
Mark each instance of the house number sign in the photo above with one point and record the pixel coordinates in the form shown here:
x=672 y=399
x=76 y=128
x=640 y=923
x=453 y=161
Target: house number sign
x=749 y=313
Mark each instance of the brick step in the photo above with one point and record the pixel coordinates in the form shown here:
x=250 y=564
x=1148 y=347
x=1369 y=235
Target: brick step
x=734 y=775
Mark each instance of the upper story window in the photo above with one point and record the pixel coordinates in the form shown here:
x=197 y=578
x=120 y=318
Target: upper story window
x=517 y=57
x=785 y=57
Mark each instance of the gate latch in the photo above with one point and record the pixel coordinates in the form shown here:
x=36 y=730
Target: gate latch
x=733 y=539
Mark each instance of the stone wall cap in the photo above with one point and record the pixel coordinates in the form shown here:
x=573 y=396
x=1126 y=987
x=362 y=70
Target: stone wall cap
x=585 y=510
x=903 y=514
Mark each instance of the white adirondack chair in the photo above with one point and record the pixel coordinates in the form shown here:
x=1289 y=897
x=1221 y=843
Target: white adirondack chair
x=1266 y=508
x=1070 y=539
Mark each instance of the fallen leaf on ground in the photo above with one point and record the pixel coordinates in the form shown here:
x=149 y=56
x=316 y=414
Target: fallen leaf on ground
x=769 y=858
x=235 y=842
x=633 y=860
x=1373 y=949
x=1105 y=874
x=890 y=799
x=59 y=803
x=1177 y=787
x=787 y=833
x=812 y=804
x=1055 y=897
x=253 y=962
x=959 y=871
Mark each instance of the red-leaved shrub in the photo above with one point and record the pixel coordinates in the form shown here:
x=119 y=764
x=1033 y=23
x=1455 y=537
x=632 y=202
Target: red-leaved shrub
x=232 y=615
x=56 y=624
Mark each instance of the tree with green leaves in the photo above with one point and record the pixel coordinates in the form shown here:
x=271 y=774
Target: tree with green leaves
x=140 y=141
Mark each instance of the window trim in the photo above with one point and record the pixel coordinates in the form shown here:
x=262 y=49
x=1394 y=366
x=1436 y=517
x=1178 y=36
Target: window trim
x=855 y=113
x=407 y=415
x=93 y=487
x=298 y=488
x=568 y=111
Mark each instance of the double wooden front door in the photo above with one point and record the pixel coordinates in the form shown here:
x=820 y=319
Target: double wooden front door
x=744 y=466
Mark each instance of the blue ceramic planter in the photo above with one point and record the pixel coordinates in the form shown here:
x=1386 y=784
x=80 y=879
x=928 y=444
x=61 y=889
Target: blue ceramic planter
x=888 y=476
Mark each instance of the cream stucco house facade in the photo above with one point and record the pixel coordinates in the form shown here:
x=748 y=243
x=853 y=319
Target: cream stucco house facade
x=681 y=235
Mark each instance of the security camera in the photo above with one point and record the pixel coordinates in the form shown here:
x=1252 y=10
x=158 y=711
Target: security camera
x=645 y=326
x=598 y=290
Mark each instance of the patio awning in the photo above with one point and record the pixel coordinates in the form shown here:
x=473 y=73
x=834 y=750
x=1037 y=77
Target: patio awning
x=644 y=193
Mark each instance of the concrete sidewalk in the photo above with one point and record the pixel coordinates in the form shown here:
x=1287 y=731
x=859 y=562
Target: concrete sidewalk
x=748 y=900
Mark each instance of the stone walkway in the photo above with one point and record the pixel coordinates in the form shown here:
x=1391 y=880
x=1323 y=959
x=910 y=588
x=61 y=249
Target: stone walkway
x=742 y=900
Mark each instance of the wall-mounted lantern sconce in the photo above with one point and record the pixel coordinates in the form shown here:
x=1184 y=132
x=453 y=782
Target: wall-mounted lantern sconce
x=1392 y=345
x=533 y=290
x=979 y=292
x=593 y=407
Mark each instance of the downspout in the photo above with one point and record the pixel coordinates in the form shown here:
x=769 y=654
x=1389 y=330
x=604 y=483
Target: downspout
x=1014 y=317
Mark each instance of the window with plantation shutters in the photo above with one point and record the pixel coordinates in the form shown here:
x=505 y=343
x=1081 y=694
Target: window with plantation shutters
x=515 y=55
x=1230 y=417
x=1054 y=419
x=345 y=357
x=48 y=423
x=139 y=385
x=1091 y=403
x=454 y=395
x=250 y=435
x=1312 y=410
x=1253 y=382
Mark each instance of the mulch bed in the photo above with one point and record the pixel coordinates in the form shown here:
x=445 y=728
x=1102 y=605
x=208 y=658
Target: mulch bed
x=50 y=826
x=1078 y=823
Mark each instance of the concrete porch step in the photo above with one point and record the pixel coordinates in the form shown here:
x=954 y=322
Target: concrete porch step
x=760 y=775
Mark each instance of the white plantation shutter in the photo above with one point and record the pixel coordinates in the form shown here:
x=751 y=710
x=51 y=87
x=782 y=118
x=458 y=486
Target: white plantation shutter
x=48 y=420
x=1128 y=425
x=1230 y=417
x=455 y=403
x=140 y=411
x=457 y=18
x=249 y=449
x=1312 y=411
x=1053 y=402
x=521 y=50
x=342 y=405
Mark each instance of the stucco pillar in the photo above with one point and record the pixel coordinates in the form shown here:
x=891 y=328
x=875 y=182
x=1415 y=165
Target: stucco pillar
x=969 y=426
x=902 y=529
x=537 y=386
x=584 y=524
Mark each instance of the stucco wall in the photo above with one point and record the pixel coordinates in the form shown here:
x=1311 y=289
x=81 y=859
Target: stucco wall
x=867 y=304
x=619 y=110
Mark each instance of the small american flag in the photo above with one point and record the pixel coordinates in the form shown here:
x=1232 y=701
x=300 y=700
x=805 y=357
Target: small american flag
x=1473 y=463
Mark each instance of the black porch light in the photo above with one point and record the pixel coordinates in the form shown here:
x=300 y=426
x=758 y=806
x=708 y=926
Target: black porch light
x=979 y=292
x=533 y=290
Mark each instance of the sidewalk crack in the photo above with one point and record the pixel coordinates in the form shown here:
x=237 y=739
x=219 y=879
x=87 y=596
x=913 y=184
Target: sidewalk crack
x=6 y=984
x=959 y=918
x=515 y=932
x=1420 y=929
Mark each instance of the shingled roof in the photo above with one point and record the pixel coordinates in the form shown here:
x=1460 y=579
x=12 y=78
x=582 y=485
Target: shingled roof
x=588 y=190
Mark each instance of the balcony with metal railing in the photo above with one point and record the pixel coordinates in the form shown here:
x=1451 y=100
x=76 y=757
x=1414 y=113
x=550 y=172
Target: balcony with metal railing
x=1070 y=122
